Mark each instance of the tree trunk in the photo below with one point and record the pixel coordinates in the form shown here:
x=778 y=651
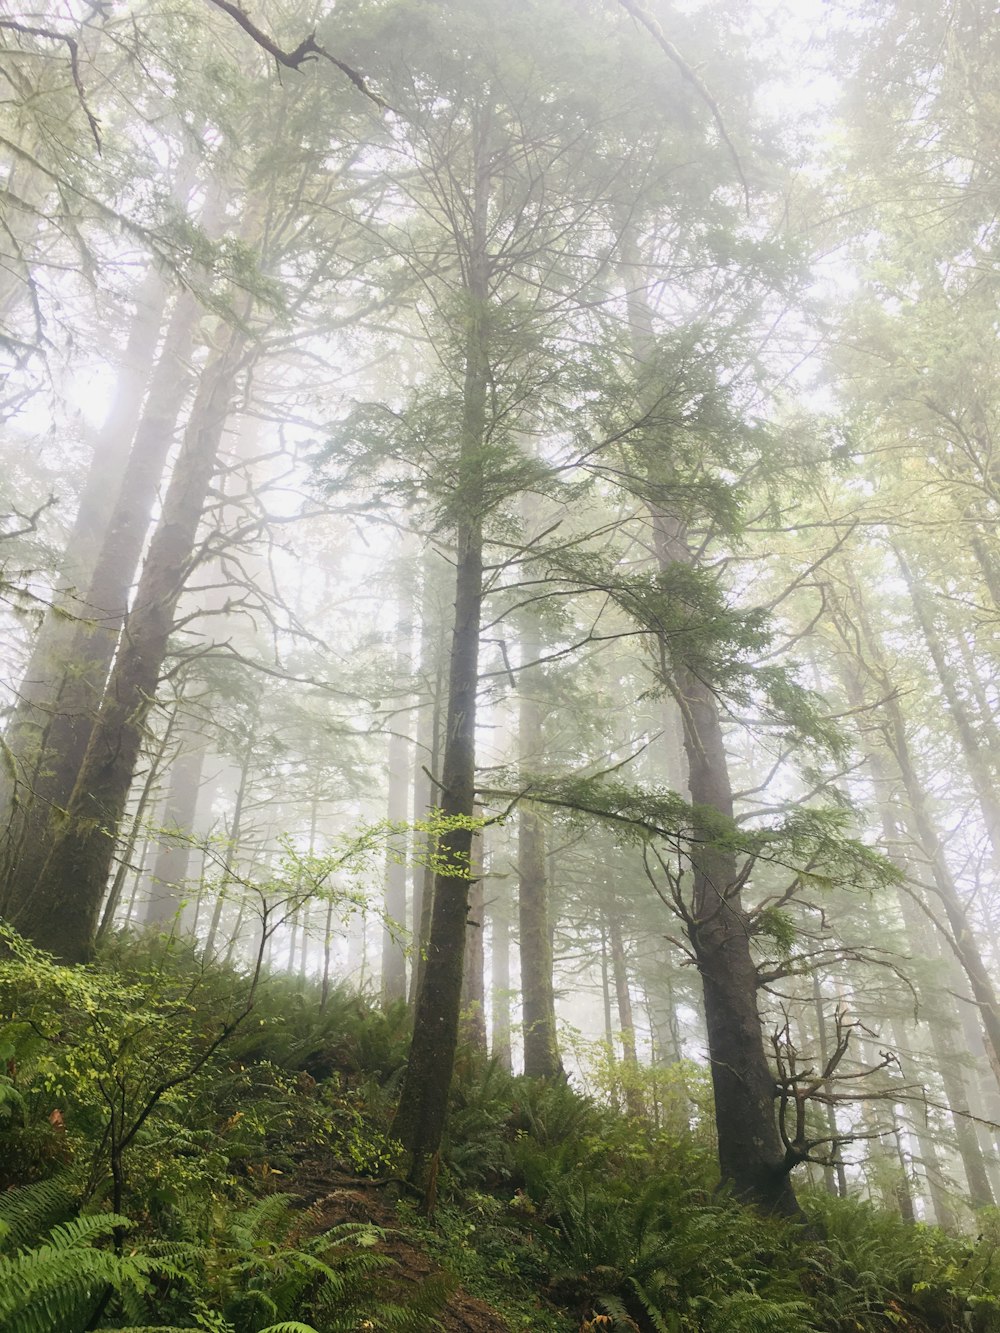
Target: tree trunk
x=541 y=1042
x=232 y=841
x=427 y=770
x=419 y=1122
x=977 y=760
x=834 y=1175
x=170 y=870
x=474 y=964
x=60 y=911
x=125 y=860
x=960 y=936
x=499 y=914
x=751 y=1155
x=398 y=810
x=51 y=652
x=91 y=648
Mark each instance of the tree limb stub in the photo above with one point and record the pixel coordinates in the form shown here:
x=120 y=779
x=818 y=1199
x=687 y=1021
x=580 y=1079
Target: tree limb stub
x=307 y=49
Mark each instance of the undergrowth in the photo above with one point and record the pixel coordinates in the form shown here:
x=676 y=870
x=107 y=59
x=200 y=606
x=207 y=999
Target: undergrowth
x=559 y=1210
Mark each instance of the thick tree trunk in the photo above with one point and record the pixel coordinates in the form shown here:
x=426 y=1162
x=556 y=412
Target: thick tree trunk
x=752 y=1157
x=52 y=651
x=91 y=649
x=59 y=913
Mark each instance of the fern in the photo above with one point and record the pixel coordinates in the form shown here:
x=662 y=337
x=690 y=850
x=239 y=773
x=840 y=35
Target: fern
x=746 y=1312
x=56 y=1287
x=28 y=1212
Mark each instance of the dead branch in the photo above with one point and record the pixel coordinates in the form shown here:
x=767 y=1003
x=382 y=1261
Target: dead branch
x=308 y=49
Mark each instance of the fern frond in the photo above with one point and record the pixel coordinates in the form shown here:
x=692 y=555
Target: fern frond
x=290 y=1327
x=55 y=1287
x=29 y=1211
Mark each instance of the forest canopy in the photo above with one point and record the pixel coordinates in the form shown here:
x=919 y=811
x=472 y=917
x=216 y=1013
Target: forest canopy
x=498 y=539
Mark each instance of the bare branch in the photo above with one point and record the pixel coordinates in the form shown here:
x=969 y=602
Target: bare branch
x=307 y=49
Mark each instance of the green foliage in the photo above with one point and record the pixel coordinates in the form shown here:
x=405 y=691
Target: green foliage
x=877 y=1266
x=257 y=1274
x=28 y=1211
x=58 y=1286
x=261 y=1270
x=609 y=1217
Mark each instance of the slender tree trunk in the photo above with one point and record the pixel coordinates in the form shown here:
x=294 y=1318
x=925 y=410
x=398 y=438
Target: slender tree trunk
x=538 y=1010
x=499 y=914
x=944 y=1214
x=140 y=867
x=398 y=810
x=961 y=935
x=125 y=861
x=923 y=942
x=170 y=870
x=977 y=760
x=327 y=951
x=420 y=1118
x=609 y=1029
x=834 y=1175
x=474 y=964
x=423 y=900
x=59 y=913
x=235 y=829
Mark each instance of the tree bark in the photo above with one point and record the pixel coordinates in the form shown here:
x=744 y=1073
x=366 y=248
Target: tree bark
x=60 y=911
x=751 y=1156
x=420 y=1117
x=499 y=915
x=170 y=869
x=397 y=811
x=473 y=1029
x=52 y=651
x=91 y=648
x=538 y=1009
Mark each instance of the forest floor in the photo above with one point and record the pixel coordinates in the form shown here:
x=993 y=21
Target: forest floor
x=334 y=1198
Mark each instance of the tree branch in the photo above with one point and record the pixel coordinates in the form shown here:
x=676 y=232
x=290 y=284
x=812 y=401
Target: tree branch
x=307 y=49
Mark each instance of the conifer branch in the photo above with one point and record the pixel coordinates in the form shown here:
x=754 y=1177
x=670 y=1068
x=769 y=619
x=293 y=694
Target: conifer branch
x=50 y=35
